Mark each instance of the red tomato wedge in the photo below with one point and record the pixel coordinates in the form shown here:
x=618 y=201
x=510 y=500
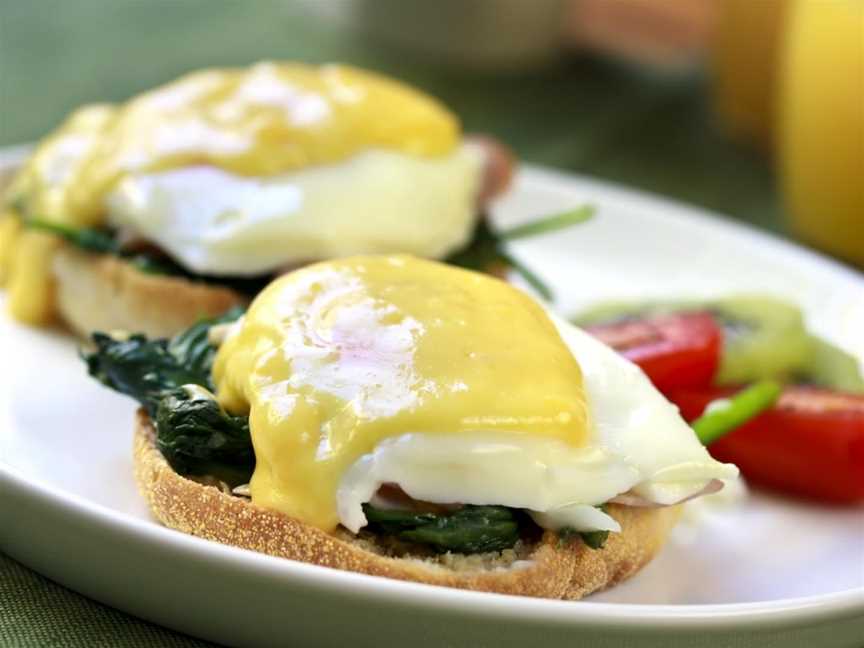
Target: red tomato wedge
x=676 y=351
x=811 y=443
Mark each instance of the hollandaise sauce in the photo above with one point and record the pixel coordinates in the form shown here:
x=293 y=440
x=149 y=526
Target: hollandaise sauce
x=41 y=188
x=334 y=358
x=257 y=122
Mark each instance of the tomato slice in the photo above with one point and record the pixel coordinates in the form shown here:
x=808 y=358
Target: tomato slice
x=676 y=351
x=811 y=443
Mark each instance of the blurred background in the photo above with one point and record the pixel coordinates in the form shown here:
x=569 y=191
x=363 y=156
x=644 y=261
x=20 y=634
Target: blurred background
x=752 y=108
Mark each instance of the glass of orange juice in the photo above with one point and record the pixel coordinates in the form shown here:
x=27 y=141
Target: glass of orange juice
x=822 y=125
x=746 y=48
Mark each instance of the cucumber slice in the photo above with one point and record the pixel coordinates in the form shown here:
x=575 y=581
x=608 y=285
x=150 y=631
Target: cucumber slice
x=764 y=337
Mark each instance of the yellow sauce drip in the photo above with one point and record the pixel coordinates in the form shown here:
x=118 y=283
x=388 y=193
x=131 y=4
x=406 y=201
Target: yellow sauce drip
x=334 y=358
x=31 y=289
x=268 y=119
x=44 y=183
x=41 y=187
x=10 y=230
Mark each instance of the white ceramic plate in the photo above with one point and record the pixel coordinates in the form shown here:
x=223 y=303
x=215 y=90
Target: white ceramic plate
x=770 y=572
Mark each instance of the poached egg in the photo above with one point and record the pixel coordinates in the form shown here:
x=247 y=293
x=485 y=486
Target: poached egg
x=243 y=172
x=453 y=385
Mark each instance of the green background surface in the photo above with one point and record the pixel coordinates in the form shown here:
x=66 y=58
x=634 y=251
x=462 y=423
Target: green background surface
x=643 y=129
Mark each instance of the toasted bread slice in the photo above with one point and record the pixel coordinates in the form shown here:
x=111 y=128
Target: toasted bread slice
x=101 y=292
x=547 y=568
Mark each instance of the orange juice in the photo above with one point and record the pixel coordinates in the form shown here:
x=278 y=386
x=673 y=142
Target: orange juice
x=822 y=125
x=746 y=50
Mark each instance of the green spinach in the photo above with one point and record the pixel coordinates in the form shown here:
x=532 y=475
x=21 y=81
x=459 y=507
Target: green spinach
x=487 y=248
x=198 y=437
x=487 y=251
x=470 y=529
x=148 y=369
x=592 y=539
x=104 y=241
x=87 y=238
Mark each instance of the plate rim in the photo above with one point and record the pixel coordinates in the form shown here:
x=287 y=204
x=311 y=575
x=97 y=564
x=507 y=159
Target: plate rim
x=762 y=614
x=798 y=610
x=682 y=211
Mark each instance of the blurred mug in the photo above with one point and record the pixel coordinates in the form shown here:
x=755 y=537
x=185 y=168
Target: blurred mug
x=487 y=34
x=506 y=35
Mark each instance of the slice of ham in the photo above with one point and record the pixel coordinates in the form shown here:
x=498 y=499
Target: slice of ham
x=499 y=167
x=630 y=499
x=391 y=496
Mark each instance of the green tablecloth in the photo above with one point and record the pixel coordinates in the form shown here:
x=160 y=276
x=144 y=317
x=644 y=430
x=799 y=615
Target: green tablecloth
x=583 y=115
x=37 y=612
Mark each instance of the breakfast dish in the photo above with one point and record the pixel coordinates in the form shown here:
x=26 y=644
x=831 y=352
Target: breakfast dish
x=189 y=198
x=369 y=414
x=744 y=575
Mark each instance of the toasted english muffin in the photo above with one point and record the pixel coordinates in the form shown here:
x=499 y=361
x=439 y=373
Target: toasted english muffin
x=547 y=568
x=102 y=292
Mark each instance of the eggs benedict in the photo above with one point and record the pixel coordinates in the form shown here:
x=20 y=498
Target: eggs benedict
x=187 y=199
x=403 y=417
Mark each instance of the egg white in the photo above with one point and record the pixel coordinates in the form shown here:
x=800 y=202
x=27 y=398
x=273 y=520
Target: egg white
x=215 y=222
x=638 y=443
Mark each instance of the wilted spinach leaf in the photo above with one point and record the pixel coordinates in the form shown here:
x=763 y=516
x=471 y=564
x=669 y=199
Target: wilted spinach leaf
x=198 y=437
x=471 y=529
